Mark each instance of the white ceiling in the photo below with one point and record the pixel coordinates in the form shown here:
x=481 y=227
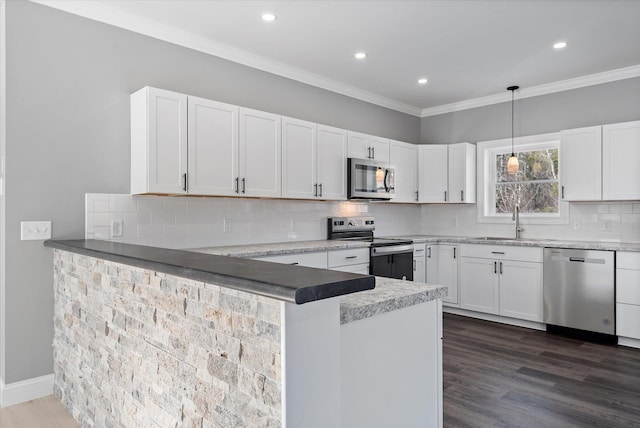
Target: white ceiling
x=469 y=50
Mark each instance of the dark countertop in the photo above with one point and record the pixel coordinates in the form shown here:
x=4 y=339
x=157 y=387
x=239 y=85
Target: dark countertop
x=294 y=284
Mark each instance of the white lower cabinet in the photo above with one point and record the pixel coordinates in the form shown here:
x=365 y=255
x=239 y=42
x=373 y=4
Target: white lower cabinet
x=354 y=260
x=628 y=297
x=315 y=260
x=419 y=263
x=442 y=269
x=502 y=280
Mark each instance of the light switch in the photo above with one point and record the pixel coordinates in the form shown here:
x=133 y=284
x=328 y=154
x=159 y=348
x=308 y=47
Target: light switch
x=35 y=230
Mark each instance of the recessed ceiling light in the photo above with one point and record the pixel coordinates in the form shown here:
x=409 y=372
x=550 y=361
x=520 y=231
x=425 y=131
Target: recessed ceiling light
x=422 y=81
x=269 y=17
x=559 y=45
x=360 y=55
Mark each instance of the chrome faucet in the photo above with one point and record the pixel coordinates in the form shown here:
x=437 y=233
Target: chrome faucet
x=516 y=218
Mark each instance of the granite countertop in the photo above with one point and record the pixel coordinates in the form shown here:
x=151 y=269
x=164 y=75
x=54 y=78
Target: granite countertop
x=294 y=284
x=389 y=295
x=279 y=248
x=524 y=242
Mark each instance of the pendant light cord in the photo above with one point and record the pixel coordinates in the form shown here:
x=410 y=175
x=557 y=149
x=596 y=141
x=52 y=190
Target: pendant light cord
x=512 y=151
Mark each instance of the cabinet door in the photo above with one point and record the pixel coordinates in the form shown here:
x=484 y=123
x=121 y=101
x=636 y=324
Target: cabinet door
x=260 y=154
x=404 y=157
x=298 y=159
x=158 y=141
x=620 y=156
x=332 y=163
x=213 y=147
x=479 y=285
x=358 y=146
x=581 y=164
x=419 y=269
x=442 y=269
x=462 y=173
x=432 y=173
x=379 y=148
x=521 y=290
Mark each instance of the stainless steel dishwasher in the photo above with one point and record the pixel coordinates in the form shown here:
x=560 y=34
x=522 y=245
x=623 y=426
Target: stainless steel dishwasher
x=579 y=290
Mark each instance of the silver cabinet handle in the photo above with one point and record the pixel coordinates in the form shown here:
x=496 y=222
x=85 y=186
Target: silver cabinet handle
x=495 y=267
x=417 y=250
x=562 y=192
x=445 y=196
x=244 y=184
x=351 y=257
x=237 y=185
x=315 y=190
x=497 y=252
x=184 y=178
x=454 y=252
x=429 y=252
x=500 y=268
x=320 y=187
x=368 y=152
x=414 y=265
x=373 y=150
x=417 y=194
x=462 y=196
x=294 y=263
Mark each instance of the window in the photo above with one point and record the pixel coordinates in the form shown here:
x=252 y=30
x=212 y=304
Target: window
x=534 y=188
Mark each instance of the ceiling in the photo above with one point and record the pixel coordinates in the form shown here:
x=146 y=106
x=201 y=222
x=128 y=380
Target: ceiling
x=469 y=50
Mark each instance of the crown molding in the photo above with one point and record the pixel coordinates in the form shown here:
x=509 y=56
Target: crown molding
x=534 y=91
x=102 y=12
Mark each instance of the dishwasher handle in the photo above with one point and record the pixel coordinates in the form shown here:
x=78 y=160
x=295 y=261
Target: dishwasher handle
x=577 y=259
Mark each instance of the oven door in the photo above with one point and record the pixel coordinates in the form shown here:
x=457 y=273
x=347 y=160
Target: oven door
x=370 y=180
x=393 y=261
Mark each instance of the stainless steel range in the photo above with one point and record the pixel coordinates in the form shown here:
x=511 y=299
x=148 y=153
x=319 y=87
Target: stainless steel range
x=391 y=258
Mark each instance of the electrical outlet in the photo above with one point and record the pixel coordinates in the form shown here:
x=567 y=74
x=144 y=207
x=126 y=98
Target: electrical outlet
x=606 y=225
x=227 y=225
x=35 y=230
x=117 y=227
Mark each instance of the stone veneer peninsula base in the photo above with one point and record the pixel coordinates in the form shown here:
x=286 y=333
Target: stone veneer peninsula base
x=135 y=347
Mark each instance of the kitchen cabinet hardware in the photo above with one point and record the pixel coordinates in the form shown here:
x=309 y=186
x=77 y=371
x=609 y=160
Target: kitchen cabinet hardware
x=184 y=177
x=500 y=268
x=562 y=192
x=237 y=184
x=445 y=196
x=454 y=252
x=351 y=257
x=417 y=196
x=244 y=184
x=368 y=152
x=315 y=190
x=497 y=252
x=320 y=187
x=495 y=267
x=429 y=252
x=294 y=263
x=373 y=152
x=414 y=265
x=419 y=250
x=462 y=196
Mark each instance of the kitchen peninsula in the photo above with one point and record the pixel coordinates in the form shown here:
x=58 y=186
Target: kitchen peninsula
x=147 y=336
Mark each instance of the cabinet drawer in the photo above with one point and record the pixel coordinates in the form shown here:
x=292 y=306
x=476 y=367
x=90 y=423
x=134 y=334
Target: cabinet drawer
x=502 y=252
x=626 y=260
x=316 y=260
x=628 y=286
x=361 y=268
x=628 y=320
x=351 y=256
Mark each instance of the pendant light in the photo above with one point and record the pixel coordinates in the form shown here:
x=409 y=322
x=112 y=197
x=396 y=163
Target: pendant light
x=512 y=165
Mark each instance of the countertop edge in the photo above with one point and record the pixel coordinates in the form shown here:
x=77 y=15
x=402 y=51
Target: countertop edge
x=191 y=267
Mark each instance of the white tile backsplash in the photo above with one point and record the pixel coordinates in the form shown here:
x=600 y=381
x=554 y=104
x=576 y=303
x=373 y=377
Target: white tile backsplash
x=183 y=222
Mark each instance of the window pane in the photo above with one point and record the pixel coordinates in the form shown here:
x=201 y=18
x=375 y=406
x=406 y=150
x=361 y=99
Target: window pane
x=534 y=165
x=532 y=197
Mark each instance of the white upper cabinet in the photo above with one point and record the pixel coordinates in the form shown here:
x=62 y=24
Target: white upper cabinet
x=314 y=161
x=260 y=154
x=331 y=166
x=620 y=156
x=581 y=164
x=447 y=173
x=433 y=173
x=213 y=147
x=158 y=141
x=462 y=173
x=363 y=146
x=404 y=157
x=298 y=159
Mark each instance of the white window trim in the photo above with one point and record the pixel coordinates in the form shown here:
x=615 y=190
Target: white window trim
x=486 y=163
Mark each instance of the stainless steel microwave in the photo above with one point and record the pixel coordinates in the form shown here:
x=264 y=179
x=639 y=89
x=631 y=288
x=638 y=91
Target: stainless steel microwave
x=370 y=179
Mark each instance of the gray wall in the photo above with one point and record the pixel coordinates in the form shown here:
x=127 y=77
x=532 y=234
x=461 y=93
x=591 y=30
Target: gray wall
x=592 y=105
x=69 y=81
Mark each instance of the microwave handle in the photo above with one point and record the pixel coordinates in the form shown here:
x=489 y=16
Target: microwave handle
x=386 y=178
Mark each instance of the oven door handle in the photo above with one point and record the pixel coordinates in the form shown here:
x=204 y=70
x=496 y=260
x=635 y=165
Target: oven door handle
x=391 y=249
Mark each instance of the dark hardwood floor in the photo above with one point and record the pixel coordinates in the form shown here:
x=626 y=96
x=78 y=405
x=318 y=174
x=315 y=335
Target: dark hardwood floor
x=496 y=375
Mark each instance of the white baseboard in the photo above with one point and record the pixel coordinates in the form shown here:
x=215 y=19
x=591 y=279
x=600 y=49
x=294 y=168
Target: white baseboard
x=626 y=341
x=495 y=318
x=26 y=390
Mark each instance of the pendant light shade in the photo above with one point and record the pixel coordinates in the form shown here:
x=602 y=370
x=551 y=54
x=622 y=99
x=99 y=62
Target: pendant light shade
x=512 y=165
